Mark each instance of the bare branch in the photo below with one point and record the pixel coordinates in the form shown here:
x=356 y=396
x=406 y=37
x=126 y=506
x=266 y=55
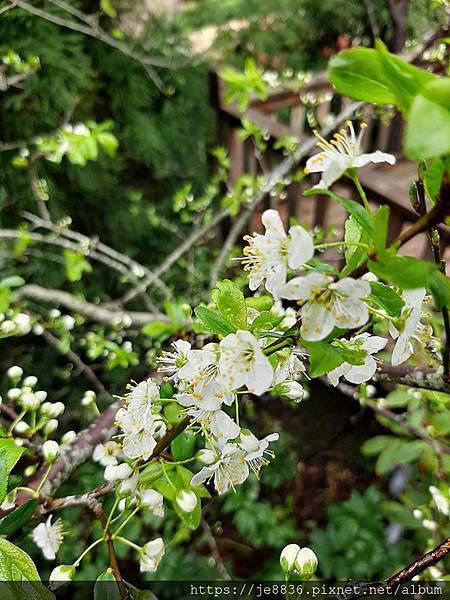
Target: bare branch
x=94 y=312
x=76 y=360
x=147 y=62
x=99 y=246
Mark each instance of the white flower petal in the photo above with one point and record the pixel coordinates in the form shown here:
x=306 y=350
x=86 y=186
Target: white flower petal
x=272 y=222
x=317 y=321
x=301 y=247
x=373 y=157
x=303 y=288
x=361 y=373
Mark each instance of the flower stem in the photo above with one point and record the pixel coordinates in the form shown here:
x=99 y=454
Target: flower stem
x=88 y=549
x=111 y=512
x=16 y=420
x=128 y=543
x=43 y=480
x=126 y=521
x=361 y=192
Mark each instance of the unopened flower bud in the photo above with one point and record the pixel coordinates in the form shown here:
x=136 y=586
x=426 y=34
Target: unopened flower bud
x=14 y=394
x=52 y=409
x=61 y=575
x=117 y=472
x=30 y=381
x=7 y=327
x=50 y=450
x=21 y=427
x=41 y=395
x=14 y=373
x=291 y=390
x=29 y=401
x=186 y=500
x=128 y=485
x=206 y=456
x=306 y=563
x=68 y=437
x=23 y=323
x=288 y=556
x=50 y=427
x=30 y=470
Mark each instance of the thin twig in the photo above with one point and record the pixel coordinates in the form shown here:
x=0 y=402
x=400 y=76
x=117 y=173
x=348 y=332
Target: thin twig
x=94 y=243
x=76 y=360
x=212 y=543
x=147 y=62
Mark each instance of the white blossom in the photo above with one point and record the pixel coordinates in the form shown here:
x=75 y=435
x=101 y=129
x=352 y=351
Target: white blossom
x=48 y=537
x=242 y=362
x=342 y=153
x=328 y=304
x=153 y=500
x=229 y=469
x=268 y=256
x=136 y=421
x=410 y=318
x=256 y=450
x=107 y=453
x=442 y=504
x=151 y=555
x=359 y=373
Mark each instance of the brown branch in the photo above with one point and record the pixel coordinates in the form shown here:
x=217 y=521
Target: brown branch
x=413 y=376
x=402 y=577
x=403 y=423
x=97 y=510
x=419 y=205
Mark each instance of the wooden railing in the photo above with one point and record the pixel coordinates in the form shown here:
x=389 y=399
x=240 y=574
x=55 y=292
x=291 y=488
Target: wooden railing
x=295 y=113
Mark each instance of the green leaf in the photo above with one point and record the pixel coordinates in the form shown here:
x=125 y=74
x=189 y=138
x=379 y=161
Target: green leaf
x=439 y=286
x=356 y=210
x=14 y=452
x=428 y=124
x=259 y=302
x=358 y=73
x=404 y=271
x=375 y=445
x=105 y=587
x=380 y=228
x=386 y=298
x=158 y=330
x=16 y=565
x=182 y=447
x=354 y=255
x=185 y=476
x=108 y=141
x=214 y=322
x=404 y=80
x=18 y=517
x=266 y=321
x=432 y=178
x=231 y=303
x=323 y=357
x=76 y=265
x=11 y=282
x=4 y=472
x=151 y=473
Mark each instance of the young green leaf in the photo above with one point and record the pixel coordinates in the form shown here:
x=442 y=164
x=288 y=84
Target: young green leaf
x=428 y=126
x=356 y=210
x=323 y=357
x=231 y=303
x=214 y=322
x=18 y=517
x=386 y=298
